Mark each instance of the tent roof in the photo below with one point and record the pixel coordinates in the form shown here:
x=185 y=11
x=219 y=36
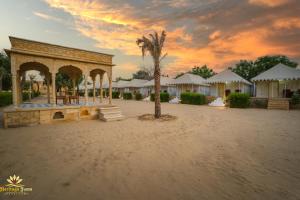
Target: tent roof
x=106 y=85
x=278 y=72
x=227 y=76
x=188 y=78
x=134 y=83
x=164 y=81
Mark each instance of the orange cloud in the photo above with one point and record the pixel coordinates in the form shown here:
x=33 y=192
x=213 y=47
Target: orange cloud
x=287 y=23
x=269 y=3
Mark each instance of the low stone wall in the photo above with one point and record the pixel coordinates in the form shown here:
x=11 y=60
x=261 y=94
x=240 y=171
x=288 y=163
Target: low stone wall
x=30 y=117
x=257 y=102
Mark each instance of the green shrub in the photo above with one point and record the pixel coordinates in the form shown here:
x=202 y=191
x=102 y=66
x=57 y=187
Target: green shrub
x=5 y=98
x=239 y=100
x=127 y=95
x=192 y=98
x=115 y=95
x=25 y=96
x=36 y=94
x=164 y=97
x=295 y=99
x=152 y=97
x=138 y=96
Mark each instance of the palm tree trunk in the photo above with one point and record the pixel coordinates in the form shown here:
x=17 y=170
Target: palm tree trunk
x=157 y=90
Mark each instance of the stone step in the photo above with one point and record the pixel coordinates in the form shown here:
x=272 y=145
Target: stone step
x=282 y=104
x=114 y=118
x=112 y=113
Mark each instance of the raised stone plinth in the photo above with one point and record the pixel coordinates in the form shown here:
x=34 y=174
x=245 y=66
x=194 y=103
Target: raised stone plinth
x=30 y=116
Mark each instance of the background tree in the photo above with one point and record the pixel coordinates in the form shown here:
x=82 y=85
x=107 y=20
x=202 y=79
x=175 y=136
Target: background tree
x=154 y=46
x=2 y=74
x=266 y=62
x=31 y=79
x=63 y=80
x=5 y=75
x=142 y=74
x=245 y=69
x=122 y=79
x=250 y=69
x=178 y=75
x=203 y=71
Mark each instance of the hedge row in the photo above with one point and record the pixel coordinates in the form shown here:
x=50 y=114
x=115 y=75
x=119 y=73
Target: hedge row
x=295 y=99
x=239 y=100
x=193 y=98
x=164 y=97
x=5 y=98
x=25 y=95
x=115 y=95
x=138 y=96
x=127 y=95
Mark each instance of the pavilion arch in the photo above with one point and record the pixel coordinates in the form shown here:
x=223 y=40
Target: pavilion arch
x=72 y=71
x=21 y=76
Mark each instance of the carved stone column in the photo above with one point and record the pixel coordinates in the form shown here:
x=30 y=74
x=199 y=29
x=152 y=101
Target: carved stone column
x=14 y=89
x=110 y=87
x=53 y=89
x=94 y=88
x=85 y=88
x=47 y=76
x=14 y=81
x=19 y=89
x=101 y=88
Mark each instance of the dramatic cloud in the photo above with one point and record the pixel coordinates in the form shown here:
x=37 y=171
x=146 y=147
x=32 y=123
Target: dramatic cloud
x=47 y=17
x=216 y=32
x=270 y=3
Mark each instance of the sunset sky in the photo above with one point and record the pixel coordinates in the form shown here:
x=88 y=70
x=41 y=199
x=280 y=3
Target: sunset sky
x=214 y=32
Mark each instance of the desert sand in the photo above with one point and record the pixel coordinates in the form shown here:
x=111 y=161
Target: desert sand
x=207 y=153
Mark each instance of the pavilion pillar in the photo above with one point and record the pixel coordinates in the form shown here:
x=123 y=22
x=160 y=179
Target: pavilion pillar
x=101 y=88
x=14 y=89
x=19 y=89
x=48 y=87
x=94 y=88
x=86 y=97
x=74 y=86
x=14 y=81
x=110 y=87
x=53 y=74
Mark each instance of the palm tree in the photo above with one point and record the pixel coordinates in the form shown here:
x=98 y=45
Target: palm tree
x=154 y=46
x=31 y=77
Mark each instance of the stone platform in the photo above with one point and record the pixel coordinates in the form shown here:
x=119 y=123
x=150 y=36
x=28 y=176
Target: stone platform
x=34 y=114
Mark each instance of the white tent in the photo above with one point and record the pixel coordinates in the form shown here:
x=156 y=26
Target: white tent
x=164 y=81
x=279 y=72
x=190 y=83
x=135 y=83
x=191 y=79
x=279 y=81
x=226 y=82
x=227 y=76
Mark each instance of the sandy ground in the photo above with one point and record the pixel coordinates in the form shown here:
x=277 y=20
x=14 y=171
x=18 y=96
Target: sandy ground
x=207 y=153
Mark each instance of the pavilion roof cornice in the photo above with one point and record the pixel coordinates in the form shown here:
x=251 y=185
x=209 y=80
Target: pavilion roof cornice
x=29 y=47
x=9 y=51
